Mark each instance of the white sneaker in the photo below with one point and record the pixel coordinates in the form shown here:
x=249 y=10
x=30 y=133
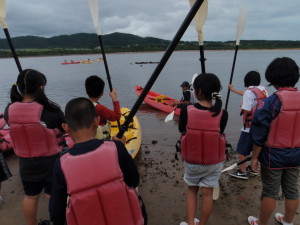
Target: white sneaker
x=196 y=221
x=279 y=218
x=252 y=220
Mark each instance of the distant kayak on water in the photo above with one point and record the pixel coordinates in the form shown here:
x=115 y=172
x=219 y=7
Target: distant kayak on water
x=83 y=61
x=72 y=62
x=158 y=101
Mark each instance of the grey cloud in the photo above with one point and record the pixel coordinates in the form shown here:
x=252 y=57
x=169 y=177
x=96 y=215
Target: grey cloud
x=267 y=19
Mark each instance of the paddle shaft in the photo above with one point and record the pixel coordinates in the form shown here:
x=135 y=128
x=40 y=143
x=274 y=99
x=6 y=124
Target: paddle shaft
x=12 y=49
x=202 y=58
x=105 y=63
x=231 y=76
x=106 y=69
x=160 y=65
x=243 y=161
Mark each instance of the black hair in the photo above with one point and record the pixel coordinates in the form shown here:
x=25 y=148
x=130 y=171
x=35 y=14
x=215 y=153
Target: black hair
x=210 y=86
x=94 y=86
x=282 y=72
x=252 y=78
x=80 y=113
x=29 y=82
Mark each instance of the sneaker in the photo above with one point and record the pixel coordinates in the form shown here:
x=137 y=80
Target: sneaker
x=44 y=222
x=279 y=218
x=252 y=220
x=250 y=171
x=239 y=174
x=196 y=221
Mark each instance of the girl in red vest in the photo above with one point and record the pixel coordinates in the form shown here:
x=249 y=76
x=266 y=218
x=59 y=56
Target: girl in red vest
x=275 y=131
x=35 y=124
x=203 y=145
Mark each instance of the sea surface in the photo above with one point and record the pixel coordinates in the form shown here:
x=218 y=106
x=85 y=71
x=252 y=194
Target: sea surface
x=67 y=81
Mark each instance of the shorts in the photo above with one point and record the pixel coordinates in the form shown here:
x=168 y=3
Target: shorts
x=244 y=146
x=272 y=179
x=4 y=170
x=202 y=175
x=35 y=188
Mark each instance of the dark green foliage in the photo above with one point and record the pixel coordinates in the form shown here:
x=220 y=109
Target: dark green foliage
x=83 y=43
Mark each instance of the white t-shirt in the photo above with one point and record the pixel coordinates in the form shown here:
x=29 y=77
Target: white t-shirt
x=250 y=101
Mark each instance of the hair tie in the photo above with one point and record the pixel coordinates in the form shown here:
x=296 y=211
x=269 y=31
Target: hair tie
x=216 y=95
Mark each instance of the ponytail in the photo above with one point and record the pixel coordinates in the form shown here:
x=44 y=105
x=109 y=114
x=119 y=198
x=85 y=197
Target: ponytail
x=217 y=107
x=15 y=94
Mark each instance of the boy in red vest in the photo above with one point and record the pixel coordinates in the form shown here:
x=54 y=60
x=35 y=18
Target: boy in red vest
x=94 y=87
x=275 y=132
x=93 y=181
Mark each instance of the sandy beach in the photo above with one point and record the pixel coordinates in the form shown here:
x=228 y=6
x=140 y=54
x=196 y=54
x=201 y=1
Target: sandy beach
x=161 y=187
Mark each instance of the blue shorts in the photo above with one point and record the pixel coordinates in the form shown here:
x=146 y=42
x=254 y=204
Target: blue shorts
x=245 y=145
x=35 y=188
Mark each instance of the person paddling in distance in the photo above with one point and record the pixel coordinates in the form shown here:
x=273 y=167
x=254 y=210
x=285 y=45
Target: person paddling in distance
x=187 y=98
x=94 y=87
x=96 y=176
x=251 y=97
x=275 y=132
x=203 y=145
x=35 y=127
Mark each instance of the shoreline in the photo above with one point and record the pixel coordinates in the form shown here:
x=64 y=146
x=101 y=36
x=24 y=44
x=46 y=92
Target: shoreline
x=137 y=52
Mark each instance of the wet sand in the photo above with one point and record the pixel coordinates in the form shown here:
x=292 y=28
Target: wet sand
x=161 y=185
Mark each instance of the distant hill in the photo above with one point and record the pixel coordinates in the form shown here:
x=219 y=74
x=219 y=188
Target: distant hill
x=84 y=43
x=80 y=40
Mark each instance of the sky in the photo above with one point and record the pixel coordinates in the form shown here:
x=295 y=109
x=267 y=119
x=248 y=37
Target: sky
x=267 y=19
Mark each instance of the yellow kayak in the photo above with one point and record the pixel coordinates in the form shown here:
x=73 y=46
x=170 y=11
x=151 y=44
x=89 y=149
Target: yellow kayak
x=133 y=135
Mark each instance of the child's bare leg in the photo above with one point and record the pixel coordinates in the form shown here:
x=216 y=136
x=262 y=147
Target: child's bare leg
x=30 y=205
x=242 y=166
x=206 y=204
x=267 y=207
x=191 y=203
x=291 y=207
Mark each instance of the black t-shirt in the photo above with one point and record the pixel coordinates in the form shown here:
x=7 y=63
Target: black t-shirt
x=186 y=96
x=57 y=205
x=184 y=118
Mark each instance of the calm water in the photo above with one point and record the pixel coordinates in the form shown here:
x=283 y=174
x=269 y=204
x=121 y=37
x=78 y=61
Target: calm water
x=67 y=81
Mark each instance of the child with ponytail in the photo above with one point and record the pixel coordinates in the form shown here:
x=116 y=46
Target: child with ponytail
x=35 y=126
x=203 y=145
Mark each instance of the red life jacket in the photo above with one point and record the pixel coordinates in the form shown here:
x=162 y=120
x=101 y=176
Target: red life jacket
x=98 y=193
x=285 y=128
x=247 y=117
x=30 y=138
x=203 y=144
x=5 y=140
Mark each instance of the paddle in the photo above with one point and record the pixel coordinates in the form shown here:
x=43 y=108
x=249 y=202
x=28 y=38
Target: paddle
x=199 y=20
x=236 y=164
x=5 y=29
x=171 y=115
x=93 y=4
x=240 y=28
x=160 y=65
